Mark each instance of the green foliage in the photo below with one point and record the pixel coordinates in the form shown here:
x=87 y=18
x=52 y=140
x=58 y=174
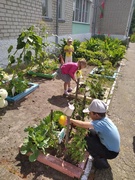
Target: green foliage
x=61 y=47
x=43 y=136
x=100 y=36
x=77 y=147
x=106 y=69
x=132 y=38
x=94 y=62
x=31 y=48
x=101 y=56
x=47 y=67
x=92 y=44
x=105 y=48
x=2 y=74
x=18 y=83
x=76 y=44
x=79 y=106
x=114 y=50
x=96 y=88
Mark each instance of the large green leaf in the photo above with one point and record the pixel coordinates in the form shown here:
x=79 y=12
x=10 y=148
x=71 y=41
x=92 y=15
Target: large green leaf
x=33 y=157
x=10 y=49
x=24 y=150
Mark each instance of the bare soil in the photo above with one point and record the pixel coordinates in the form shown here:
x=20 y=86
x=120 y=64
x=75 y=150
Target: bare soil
x=27 y=112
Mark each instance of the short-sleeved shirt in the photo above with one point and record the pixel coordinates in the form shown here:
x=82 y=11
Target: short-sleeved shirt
x=67 y=47
x=69 y=68
x=108 y=133
x=67 y=71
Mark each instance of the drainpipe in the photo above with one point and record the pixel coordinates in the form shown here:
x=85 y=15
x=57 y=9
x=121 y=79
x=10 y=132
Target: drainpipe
x=94 y=17
x=129 y=23
x=57 y=26
x=129 y=18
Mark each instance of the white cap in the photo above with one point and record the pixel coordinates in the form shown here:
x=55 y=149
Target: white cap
x=69 y=39
x=96 y=106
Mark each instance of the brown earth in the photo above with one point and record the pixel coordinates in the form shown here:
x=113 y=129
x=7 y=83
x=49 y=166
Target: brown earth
x=16 y=117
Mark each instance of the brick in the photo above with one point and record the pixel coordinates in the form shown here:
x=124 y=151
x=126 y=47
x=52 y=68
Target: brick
x=3 y=1
x=2 y=22
x=7 y=27
x=3 y=30
x=6 y=34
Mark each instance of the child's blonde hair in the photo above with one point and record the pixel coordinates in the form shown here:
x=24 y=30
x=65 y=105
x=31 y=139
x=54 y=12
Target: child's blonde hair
x=82 y=62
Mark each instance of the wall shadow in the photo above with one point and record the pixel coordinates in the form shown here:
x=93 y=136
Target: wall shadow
x=134 y=144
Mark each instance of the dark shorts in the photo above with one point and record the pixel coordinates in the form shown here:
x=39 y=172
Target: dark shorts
x=96 y=148
x=65 y=77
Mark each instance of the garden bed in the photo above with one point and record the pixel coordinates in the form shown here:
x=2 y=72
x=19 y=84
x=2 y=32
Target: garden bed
x=38 y=74
x=81 y=96
x=32 y=87
x=93 y=73
x=74 y=171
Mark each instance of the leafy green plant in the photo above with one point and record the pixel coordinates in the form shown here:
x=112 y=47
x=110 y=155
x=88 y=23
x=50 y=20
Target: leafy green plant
x=60 y=46
x=42 y=137
x=77 y=147
x=94 y=62
x=132 y=38
x=16 y=83
x=114 y=50
x=48 y=67
x=106 y=70
x=92 y=44
x=31 y=48
x=102 y=49
x=76 y=45
x=93 y=88
x=3 y=76
x=96 y=89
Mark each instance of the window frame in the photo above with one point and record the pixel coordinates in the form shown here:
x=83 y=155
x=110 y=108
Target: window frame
x=49 y=10
x=81 y=14
x=61 y=9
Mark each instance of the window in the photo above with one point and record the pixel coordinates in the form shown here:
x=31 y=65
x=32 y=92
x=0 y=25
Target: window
x=61 y=7
x=81 y=10
x=47 y=9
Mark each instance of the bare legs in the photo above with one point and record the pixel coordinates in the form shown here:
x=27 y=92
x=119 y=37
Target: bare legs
x=66 y=86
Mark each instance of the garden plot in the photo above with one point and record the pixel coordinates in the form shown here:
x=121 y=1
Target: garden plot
x=93 y=88
x=32 y=87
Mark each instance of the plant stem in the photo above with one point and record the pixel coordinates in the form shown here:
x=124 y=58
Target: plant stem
x=77 y=87
x=67 y=130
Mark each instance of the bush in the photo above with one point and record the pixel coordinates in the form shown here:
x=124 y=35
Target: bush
x=132 y=38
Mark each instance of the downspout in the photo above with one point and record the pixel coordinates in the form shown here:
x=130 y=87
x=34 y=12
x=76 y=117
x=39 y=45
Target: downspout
x=57 y=25
x=94 y=17
x=129 y=18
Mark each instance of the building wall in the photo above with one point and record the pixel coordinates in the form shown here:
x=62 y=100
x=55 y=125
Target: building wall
x=115 y=18
x=16 y=15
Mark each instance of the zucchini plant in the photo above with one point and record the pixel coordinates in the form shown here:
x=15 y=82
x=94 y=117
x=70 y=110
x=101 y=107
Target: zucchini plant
x=45 y=138
x=77 y=147
x=32 y=49
x=42 y=137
